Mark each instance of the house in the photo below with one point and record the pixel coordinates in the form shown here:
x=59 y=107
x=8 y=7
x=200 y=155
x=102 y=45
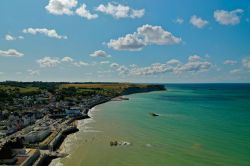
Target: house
x=37 y=135
x=73 y=112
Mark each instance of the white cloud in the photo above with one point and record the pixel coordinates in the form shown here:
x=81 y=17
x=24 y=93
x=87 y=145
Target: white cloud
x=47 y=32
x=80 y=63
x=33 y=72
x=228 y=17
x=157 y=35
x=230 y=62
x=100 y=53
x=133 y=65
x=114 y=65
x=83 y=12
x=83 y=63
x=1 y=73
x=194 y=58
x=246 y=62
x=179 y=21
x=145 y=35
x=155 y=68
x=235 y=71
x=194 y=64
x=48 y=62
x=173 y=62
x=55 y=61
x=137 y=13
x=198 y=21
x=67 y=59
x=11 y=53
x=60 y=7
x=9 y=37
x=130 y=42
x=120 y=11
x=71 y=61
x=104 y=62
x=122 y=70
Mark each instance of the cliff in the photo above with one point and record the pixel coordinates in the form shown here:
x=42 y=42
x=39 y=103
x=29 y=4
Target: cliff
x=142 y=89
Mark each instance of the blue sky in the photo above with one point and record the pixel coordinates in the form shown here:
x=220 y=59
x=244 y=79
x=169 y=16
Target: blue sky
x=126 y=40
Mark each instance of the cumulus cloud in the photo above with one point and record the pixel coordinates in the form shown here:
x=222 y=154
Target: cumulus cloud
x=114 y=65
x=157 y=35
x=47 y=32
x=9 y=37
x=194 y=64
x=228 y=17
x=179 y=21
x=60 y=7
x=11 y=53
x=48 y=62
x=83 y=12
x=246 y=62
x=129 y=42
x=67 y=59
x=137 y=13
x=71 y=61
x=173 y=62
x=120 y=11
x=145 y=35
x=155 y=68
x=55 y=61
x=230 y=62
x=194 y=58
x=198 y=21
x=100 y=53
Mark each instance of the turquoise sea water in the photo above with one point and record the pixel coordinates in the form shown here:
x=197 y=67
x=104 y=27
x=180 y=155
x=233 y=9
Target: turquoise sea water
x=199 y=125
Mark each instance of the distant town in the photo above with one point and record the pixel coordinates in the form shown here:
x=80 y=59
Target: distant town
x=35 y=117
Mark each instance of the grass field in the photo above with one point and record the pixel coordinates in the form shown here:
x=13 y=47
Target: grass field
x=20 y=89
x=113 y=86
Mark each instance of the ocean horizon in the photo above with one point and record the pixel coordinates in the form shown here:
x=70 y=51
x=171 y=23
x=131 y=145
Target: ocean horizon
x=198 y=124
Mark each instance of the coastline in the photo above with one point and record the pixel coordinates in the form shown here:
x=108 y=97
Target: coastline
x=46 y=159
x=50 y=160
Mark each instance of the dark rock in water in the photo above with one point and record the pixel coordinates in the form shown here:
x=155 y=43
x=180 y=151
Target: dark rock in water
x=153 y=114
x=113 y=143
x=122 y=143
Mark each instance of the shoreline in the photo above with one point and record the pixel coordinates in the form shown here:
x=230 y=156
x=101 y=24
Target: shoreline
x=49 y=160
x=46 y=159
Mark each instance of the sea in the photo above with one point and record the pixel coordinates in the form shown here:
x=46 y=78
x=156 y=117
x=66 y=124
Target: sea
x=198 y=125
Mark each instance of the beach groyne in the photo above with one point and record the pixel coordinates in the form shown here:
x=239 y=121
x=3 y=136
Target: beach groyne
x=32 y=158
x=55 y=144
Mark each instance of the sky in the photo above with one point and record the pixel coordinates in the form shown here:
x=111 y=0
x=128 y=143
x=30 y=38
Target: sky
x=163 y=41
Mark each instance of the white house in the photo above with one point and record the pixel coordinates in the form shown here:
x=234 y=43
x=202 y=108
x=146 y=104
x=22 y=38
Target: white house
x=37 y=135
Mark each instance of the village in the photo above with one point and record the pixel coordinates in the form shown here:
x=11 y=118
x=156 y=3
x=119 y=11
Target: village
x=36 y=132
